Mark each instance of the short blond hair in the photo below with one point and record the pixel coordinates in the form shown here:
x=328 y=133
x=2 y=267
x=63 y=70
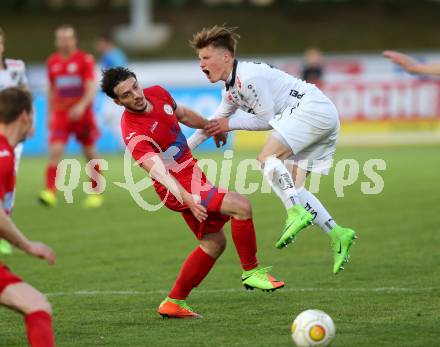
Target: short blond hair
x=218 y=36
x=66 y=27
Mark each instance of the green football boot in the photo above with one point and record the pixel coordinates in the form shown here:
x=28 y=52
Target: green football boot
x=341 y=241
x=5 y=247
x=47 y=198
x=298 y=218
x=260 y=278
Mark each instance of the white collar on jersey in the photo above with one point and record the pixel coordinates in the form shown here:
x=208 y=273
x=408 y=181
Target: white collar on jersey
x=231 y=80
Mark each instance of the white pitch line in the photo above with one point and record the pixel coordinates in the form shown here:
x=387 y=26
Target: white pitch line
x=236 y=290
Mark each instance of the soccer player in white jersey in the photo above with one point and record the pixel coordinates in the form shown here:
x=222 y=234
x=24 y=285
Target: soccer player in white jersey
x=304 y=124
x=12 y=74
x=411 y=65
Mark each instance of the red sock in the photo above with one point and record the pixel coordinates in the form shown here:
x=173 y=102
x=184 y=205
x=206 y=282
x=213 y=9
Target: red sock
x=39 y=329
x=51 y=175
x=194 y=270
x=243 y=234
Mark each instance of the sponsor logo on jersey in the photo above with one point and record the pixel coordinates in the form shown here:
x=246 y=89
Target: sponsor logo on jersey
x=68 y=81
x=130 y=135
x=5 y=153
x=168 y=109
x=296 y=94
x=154 y=126
x=72 y=67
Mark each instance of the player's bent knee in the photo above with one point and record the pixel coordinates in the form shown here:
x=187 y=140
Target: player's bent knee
x=214 y=244
x=40 y=303
x=243 y=207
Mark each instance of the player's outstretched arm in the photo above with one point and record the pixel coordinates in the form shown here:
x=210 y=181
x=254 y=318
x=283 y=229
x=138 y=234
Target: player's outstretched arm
x=157 y=170
x=10 y=232
x=196 y=121
x=190 y=118
x=255 y=122
x=411 y=65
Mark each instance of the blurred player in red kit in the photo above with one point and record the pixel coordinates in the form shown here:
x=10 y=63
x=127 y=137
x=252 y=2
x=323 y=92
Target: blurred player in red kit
x=12 y=74
x=72 y=88
x=151 y=131
x=16 y=123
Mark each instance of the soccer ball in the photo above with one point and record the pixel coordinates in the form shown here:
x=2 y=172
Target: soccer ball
x=313 y=328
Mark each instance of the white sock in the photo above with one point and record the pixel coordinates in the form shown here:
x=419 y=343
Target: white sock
x=321 y=217
x=279 y=178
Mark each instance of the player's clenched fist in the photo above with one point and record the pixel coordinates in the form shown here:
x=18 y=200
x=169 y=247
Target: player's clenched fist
x=217 y=126
x=220 y=139
x=193 y=202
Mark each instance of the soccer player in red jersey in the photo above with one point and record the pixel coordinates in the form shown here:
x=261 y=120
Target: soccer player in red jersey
x=151 y=131
x=12 y=74
x=72 y=88
x=16 y=122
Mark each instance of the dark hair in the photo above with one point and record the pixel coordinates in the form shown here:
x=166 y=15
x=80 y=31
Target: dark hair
x=112 y=77
x=2 y=33
x=106 y=36
x=13 y=101
x=218 y=36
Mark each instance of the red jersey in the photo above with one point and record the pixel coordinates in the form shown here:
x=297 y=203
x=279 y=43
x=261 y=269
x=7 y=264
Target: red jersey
x=7 y=188
x=158 y=132
x=7 y=174
x=68 y=76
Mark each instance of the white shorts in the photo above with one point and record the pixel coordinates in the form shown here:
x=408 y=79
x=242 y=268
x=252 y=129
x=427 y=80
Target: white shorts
x=310 y=129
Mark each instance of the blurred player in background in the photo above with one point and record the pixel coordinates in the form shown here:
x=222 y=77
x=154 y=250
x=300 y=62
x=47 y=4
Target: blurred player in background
x=72 y=88
x=313 y=68
x=411 y=65
x=16 y=123
x=12 y=74
x=151 y=131
x=305 y=127
x=111 y=56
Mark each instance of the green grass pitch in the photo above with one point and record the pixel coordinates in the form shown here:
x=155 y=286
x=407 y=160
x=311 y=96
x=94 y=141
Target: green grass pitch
x=116 y=264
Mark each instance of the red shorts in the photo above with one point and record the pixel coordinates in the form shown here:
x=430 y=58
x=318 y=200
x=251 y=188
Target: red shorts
x=7 y=277
x=85 y=130
x=211 y=197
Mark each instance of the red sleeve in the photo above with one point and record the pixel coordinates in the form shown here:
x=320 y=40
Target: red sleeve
x=6 y=168
x=89 y=68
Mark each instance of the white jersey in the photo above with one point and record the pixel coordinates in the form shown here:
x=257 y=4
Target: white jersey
x=261 y=90
x=14 y=75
